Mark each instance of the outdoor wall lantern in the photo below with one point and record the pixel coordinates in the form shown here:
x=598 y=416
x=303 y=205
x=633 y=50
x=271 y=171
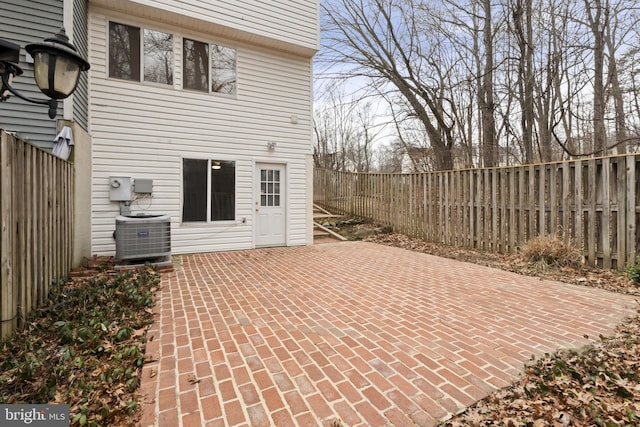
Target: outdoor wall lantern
x=56 y=69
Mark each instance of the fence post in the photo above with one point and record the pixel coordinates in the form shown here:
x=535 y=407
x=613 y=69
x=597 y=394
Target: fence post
x=631 y=213
x=8 y=316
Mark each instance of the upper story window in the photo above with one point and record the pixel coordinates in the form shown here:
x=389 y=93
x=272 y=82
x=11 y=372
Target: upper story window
x=208 y=68
x=127 y=44
x=141 y=54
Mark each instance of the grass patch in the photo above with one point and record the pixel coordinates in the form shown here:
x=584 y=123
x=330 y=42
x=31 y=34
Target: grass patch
x=85 y=349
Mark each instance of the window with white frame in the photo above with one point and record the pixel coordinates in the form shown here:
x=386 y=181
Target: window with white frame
x=208 y=67
x=209 y=190
x=136 y=52
x=143 y=54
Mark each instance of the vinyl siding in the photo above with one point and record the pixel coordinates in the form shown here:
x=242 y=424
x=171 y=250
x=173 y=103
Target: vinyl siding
x=24 y=22
x=261 y=22
x=81 y=42
x=144 y=130
x=293 y=21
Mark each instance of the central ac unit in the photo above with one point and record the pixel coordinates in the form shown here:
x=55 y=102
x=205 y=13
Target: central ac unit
x=143 y=237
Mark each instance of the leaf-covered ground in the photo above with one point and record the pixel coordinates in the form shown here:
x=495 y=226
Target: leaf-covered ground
x=598 y=385
x=85 y=349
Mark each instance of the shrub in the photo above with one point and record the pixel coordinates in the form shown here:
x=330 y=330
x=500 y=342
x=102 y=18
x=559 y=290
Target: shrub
x=551 y=251
x=633 y=271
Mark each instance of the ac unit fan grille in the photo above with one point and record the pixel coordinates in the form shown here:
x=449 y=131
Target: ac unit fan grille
x=143 y=238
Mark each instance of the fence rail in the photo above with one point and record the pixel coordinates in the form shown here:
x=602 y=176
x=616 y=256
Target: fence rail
x=592 y=203
x=36 y=233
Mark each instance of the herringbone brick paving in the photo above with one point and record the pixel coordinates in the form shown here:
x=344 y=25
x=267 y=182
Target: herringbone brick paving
x=357 y=332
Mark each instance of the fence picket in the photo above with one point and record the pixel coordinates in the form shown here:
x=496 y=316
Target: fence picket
x=605 y=186
x=631 y=212
x=621 y=191
x=511 y=229
x=553 y=201
x=565 y=229
x=522 y=237
x=7 y=303
x=478 y=210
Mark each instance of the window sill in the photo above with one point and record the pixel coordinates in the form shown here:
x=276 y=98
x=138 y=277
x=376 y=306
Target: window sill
x=196 y=224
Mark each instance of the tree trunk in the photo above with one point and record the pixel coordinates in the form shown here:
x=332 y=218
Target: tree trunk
x=489 y=143
x=598 y=20
x=616 y=93
x=524 y=36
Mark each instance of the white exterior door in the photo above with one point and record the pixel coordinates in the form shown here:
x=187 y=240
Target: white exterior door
x=270 y=205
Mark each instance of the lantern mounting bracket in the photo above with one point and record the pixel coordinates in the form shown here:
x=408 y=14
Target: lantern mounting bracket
x=55 y=52
x=6 y=86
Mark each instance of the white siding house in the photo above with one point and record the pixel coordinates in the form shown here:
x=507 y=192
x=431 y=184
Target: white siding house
x=228 y=143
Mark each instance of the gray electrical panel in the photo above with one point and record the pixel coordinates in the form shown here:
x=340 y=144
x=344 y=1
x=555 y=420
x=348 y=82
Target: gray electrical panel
x=143 y=186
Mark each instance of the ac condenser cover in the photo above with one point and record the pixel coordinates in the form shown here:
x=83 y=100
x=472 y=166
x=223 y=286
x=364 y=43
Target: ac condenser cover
x=143 y=237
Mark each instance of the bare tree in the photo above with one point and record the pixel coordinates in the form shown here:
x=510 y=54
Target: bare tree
x=385 y=41
x=345 y=132
x=486 y=92
x=479 y=82
x=598 y=20
x=521 y=26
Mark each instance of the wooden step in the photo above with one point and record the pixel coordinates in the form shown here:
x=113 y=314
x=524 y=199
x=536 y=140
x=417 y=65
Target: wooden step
x=317 y=226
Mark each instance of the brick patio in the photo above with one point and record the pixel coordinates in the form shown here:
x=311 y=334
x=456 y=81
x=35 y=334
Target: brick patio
x=357 y=332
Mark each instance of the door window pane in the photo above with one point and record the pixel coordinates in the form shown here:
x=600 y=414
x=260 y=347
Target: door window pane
x=195 y=65
x=270 y=187
x=158 y=57
x=124 y=51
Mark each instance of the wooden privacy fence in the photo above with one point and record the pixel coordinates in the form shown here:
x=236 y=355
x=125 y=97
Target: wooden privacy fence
x=591 y=203
x=36 y=213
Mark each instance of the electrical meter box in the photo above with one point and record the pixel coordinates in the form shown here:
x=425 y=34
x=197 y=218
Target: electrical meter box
x=120 y=189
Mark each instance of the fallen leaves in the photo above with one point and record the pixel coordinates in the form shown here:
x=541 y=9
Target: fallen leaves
x=85 y=349
x=599 y=386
